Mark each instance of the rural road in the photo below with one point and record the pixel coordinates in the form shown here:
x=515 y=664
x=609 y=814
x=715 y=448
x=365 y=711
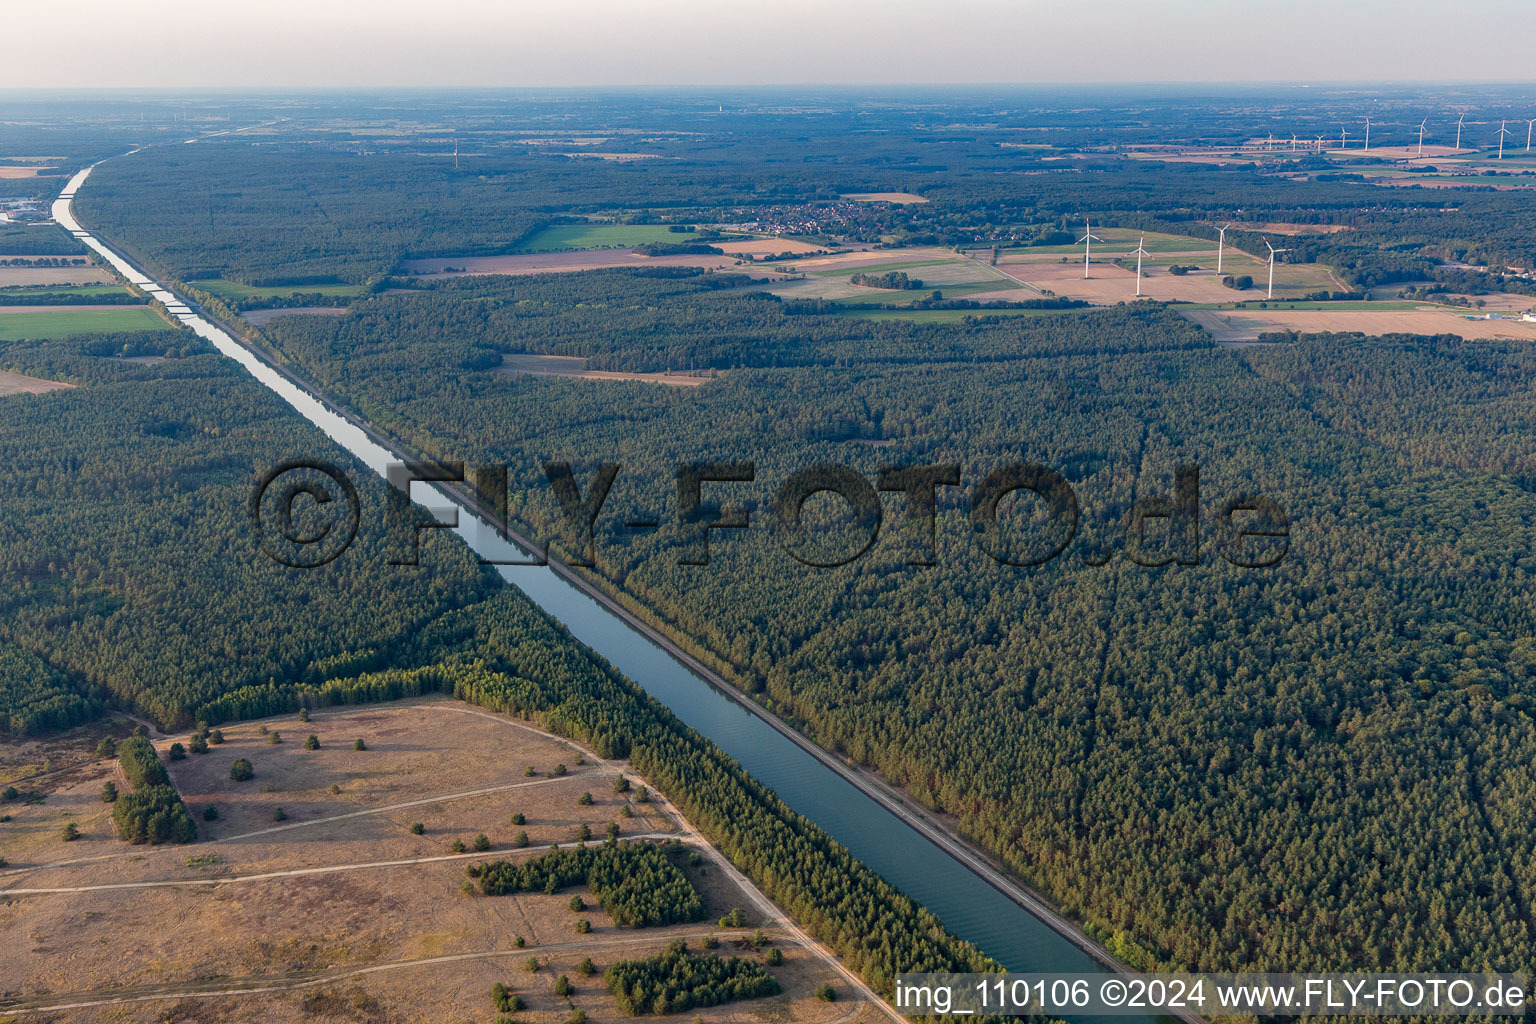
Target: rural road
x=876 y=790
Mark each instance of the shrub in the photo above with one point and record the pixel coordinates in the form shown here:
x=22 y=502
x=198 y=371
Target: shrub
x=274 y=737
x=520 y=840
x=529 y=772
x=621 y=785
x=775 y=956
x=583 y=926
x=107 y=747
x=563 y=986
x=519 y=819
x=418 y=829
x=210 y=813
x=241 y=771
x=559 y=770
x=178 y=752
x=279 y=815
x=70 y=832
x=577 y=903
x=109 y=792
x=734 y=919
x=826 y=993
x=504 y=998
x=216 y=736
x=457 y=846
x=312 y=743
x=586 y=967
x=585 y=800
x=9 y=793
x=482 y=842
x=303 y=714
x=199 y=744
x=358 y=744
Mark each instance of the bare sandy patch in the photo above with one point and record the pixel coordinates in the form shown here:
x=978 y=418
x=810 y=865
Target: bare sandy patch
x=13 y=171
x=899 y=198
x=1245 y=325
x=21 y=384
x=10 y=276
x=1287 y=228
x=575 y=366
x=261 y=316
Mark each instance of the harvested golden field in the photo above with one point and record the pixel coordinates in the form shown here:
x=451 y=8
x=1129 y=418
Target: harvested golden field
x=21 y=384
x=763 y=246
x=899 y=198
x=338 y=910
x=1240 y=326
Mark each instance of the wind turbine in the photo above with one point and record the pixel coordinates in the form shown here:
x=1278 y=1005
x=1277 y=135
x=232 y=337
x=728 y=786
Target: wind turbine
x=1367 y=133
x=1088 y=239
x=1528 y=126
x=1221 y=243
x=455 y=154
x=1459 y=121
x=1293 y=140
x=1272 y=251
x=1421 y=135
x=1139 y=252
x=1503 y=131
x=1320 y=140
x=1270 y=143
x=1343 y=138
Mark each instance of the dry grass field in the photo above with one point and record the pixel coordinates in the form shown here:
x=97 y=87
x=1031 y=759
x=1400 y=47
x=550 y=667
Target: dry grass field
x=339 y=912
x=21 y=384
x=1243 y=326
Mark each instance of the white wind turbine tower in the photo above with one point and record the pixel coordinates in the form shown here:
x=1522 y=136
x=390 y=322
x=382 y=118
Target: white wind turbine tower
x=1139 y=252
x=1221 y=244
x=1459 y=122
x=455 y=154
x=1528 y=126
x=1503 y=131
x=1343 y=138
x=1367 y=133
x=1293 y=140
x=1272 y=251
x=1088 y=239
x=1320 y=140
x=1421 y=135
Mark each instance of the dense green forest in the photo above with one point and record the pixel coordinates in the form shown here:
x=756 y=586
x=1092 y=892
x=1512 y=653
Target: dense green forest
x=153 y=813
x=675 y=981
x=128 y=570
x=635 y=883
x=1220 y=755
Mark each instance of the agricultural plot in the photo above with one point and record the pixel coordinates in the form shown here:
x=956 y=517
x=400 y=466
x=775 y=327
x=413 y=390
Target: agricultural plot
x=21 y=384
x=237 y=291
x=340 y=900
x=831 y=278
x=11 y=277
x=18 y=323
x=600 y=236
x=1245 y=326
x=85 y=292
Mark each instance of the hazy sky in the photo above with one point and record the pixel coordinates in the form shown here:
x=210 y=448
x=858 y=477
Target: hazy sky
x=298 y=43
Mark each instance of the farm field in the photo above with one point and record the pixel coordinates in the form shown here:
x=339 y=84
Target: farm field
x=340 y=904
x=1245 y=325
x=261 y=316
x=83 y=274
x=899 y=198
x=598 y=236
x=830 y=277
x=21 y=384
x=54 y=322
x=226 y=289
x=18 y=295
x=570 y=262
